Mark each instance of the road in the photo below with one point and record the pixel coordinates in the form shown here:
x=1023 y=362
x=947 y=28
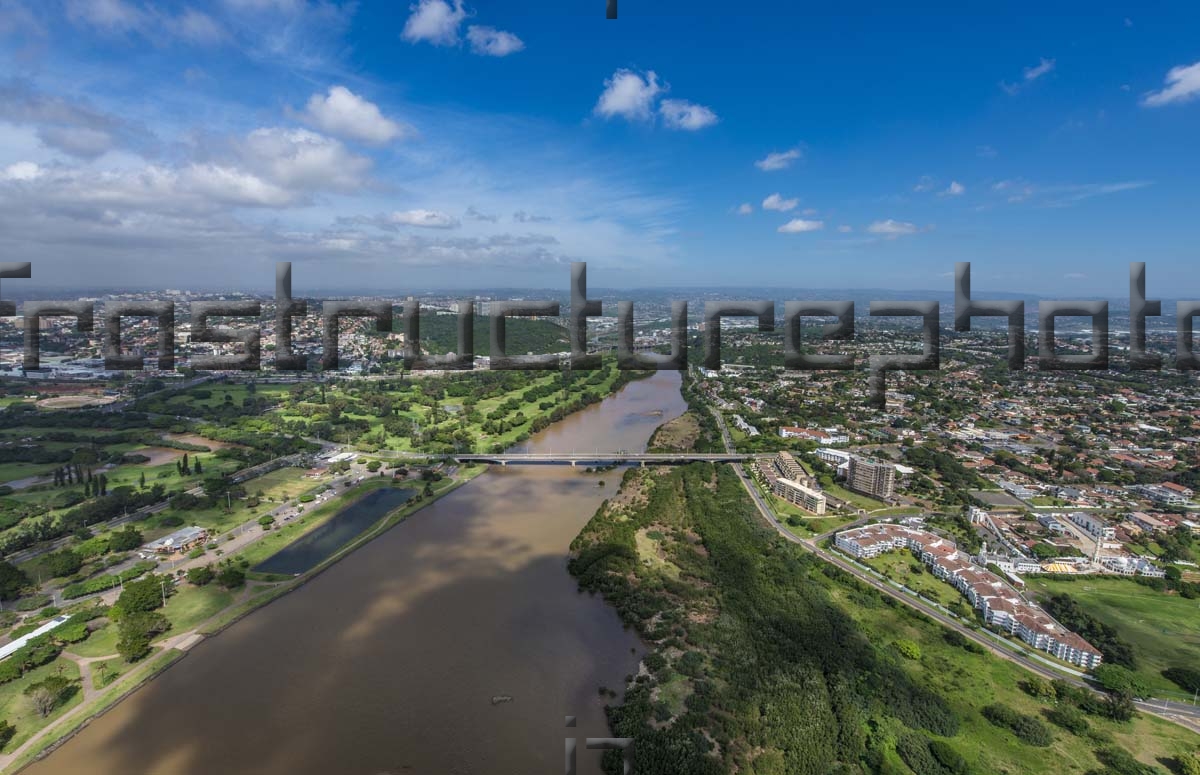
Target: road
x=1180 y=713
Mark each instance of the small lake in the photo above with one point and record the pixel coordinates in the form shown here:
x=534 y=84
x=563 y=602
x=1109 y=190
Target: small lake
x=318 y=545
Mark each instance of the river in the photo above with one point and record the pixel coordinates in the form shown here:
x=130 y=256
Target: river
x=387 y=663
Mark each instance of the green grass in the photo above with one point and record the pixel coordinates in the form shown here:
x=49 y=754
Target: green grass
x=100 y=643
x=857 y=500
x=1163 y=629
x=971 y=681
x=15 y=707
x=905 y=569
x=191 y=606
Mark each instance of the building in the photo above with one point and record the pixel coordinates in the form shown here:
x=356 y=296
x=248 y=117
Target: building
x=181 y=540
x=810 y=500
x=826 y=436
x=872 y=478
x=1051 y=523
x=9 y=649
x=1094 y=525
x=1169 y=494
x=1000 y=604
x=789 y=468
x=834 y=457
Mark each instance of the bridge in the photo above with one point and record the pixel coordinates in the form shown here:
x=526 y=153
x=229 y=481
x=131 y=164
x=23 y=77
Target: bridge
x=604 y=458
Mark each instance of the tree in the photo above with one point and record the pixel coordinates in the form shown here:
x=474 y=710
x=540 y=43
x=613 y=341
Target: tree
x=142 y=481
x=12 y=580
x=7 y=731
x=45 y=695
x=125 y=540
x=267 y=521
x=199 y=468
x=140 y=596
x=200 y=576
x=1189 y=764
x=231 y=578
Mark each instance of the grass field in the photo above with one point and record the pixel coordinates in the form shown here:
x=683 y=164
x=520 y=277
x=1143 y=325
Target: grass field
x=905 y=569
x=15 y=707
x=970 y=681
x=1164 y=629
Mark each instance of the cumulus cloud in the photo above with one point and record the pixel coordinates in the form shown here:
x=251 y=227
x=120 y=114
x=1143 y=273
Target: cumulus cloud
x=681 y=114
x=629 y=95
x=428 y=219
x=773 y=162
x=70 y=126
x=1182 y=85
x=343 y=113
x=800 y=225
x=473 y=214
x=745 y=209
x=892 y=229
x=777 y=202
x=434 y=21
x=488 y=41
x=954 y=189
x=22 y=170
x=304 y=160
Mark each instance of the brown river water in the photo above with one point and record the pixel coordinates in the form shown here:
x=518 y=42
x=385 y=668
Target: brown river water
x=387 y=663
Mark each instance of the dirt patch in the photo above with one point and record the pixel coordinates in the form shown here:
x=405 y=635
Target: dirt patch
x=74 y=402
x=192 y=438
x=678 y=435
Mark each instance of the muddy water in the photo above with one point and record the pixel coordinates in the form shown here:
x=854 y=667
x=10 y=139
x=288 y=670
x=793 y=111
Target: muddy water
x=389 y=662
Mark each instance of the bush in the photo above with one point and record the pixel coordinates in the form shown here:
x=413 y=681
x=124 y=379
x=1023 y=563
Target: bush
x=1186 y=678
x=907 y=648
x=7 y=731
x=1069 y=718
x=1027 y=729
x=231 y=578
x=200 y=576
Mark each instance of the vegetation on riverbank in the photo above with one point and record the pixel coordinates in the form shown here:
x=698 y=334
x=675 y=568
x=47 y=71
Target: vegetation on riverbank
x=765 y=660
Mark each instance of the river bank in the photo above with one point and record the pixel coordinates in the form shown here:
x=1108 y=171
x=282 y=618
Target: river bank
x=500 y=507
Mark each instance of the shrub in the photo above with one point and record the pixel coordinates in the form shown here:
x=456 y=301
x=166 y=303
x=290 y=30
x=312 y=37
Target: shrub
x=907 y=648
x=1069 y=718
x=200 y=576
x=231 y=578
x=1027 y=729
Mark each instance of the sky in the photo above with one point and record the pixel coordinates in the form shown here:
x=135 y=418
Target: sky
x=454 y=144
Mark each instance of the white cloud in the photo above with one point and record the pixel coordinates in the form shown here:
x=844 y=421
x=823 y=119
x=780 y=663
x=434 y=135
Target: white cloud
x=108 y=15
x=300 y=159
x=954 y=189
x=681 y=114
x=629 y=95
x=22 y=170
x=926 y=183
x=1182 y=85
x=343 y=113
x=488 y=41
x=1029 y=75
x=1043 y=67
x=232 y=186
x=745 y=208
x=197 y=27
x=799 y=226
x=892 y=229
x=429 y=219
x=845 y=229
x=434 y=21
x=778 y=161
x=777 y=202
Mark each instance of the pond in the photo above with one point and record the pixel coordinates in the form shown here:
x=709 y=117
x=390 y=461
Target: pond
x=317 y=546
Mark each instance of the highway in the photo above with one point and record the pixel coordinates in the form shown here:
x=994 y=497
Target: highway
x=1184 y=714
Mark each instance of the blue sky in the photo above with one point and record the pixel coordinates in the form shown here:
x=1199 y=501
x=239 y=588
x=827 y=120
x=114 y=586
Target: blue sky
x=460 y=144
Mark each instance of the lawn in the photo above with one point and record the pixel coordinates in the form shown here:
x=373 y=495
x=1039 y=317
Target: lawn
x=191 y=606
x=1163 y=628
x=905 y=569
x=15 y=707
x=100 y=643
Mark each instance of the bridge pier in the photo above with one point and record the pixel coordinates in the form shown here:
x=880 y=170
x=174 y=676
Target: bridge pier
x=572 y=464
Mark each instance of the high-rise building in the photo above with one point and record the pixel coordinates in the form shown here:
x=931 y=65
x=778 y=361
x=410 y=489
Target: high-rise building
x=871 y=477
